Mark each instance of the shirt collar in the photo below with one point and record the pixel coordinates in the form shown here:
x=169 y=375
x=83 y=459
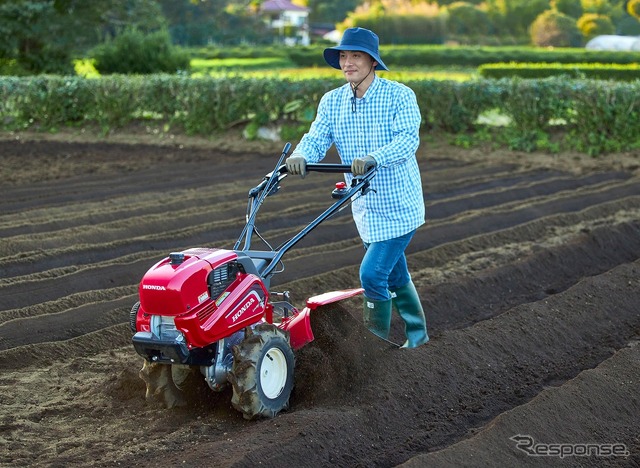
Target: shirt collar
x=372 y=87
x=370 y=90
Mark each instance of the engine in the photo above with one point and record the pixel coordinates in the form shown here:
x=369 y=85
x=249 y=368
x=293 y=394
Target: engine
x=192 y=299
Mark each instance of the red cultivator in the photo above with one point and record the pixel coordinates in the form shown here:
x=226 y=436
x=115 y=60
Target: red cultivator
x=211 y=309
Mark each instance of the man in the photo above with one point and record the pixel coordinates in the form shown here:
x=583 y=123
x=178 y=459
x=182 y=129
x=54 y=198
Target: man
x=374 y=122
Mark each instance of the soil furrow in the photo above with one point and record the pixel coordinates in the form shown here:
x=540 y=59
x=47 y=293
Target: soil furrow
x=71 y=301
x=528 y=271
x=82 y=213
x=478 y=296
x=473 y=224
x=615 y=403
x=542 y=273
x=434 y=395
x=449 y=260
x=34 y=292
x=525 y=187
x=104 y=340
x=64 y=325
x=92 y=219
x=464 y=379
x=116 y=275
x=169 y=240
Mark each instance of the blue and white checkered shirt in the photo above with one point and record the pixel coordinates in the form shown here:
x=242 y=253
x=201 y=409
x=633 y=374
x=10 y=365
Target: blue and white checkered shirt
x=385 y=125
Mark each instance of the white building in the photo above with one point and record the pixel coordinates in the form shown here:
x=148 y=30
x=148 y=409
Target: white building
x=291 y=21
x=612 y=42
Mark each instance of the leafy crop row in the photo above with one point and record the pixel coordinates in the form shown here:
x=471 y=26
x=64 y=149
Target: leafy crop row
x=601 y=71
x=594 y=117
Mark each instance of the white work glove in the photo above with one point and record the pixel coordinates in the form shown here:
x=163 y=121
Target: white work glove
x=361 y=166
x=296 y=165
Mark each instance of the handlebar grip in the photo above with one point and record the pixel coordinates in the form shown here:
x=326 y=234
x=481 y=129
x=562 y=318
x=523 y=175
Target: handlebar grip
x=329 y=167
x=321 y=167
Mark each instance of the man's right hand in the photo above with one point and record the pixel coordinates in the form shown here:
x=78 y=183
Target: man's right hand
x=296 y=165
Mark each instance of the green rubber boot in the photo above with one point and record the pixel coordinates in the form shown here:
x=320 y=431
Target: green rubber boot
x=407 y=303
x=377 y=316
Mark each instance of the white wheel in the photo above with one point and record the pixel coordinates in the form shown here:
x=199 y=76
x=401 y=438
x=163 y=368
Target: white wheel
x=273 y=373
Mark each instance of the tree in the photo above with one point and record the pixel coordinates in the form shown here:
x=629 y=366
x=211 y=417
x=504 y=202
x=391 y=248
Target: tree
x=43 y=36
x=554 y=29
x=592 y=25
x=330 y=11
x=467 y=19
x=633 y=8
x=400 y=21
x=572 y=8
x=602 y=7
x=201 y=22
x=515 y=16
x=36 y=36
x=134 y=51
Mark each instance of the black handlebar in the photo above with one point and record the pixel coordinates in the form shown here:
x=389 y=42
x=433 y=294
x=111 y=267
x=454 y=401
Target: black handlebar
x=270 y=185
x=312 y=167
x=321 y=167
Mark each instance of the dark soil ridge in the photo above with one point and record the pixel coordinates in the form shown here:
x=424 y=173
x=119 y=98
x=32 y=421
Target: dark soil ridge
x=138 y=223
x=104 y=340
x=464 y=379
x=68 y=302
x=487 y=293
x=442 y=264
x=529 y=278
x=117 y=209
x=492 y=366
x=450 y=304
x=101 y=193
x=532 y=231
x=95 y=160
x=470 y=224
x=70 y=323
x=150 y=166
x=447 y=184
x=225 y=179
x=603 y=397
x=137 y=272
x=497 y=196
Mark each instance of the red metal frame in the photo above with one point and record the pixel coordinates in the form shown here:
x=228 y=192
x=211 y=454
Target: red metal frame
x=299 y=326
x=181 y=291
x=177 y=286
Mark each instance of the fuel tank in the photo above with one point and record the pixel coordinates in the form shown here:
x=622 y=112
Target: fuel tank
x=207 y=292
x=178 y=283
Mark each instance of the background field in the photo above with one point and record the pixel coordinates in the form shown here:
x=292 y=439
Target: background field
x=528 y=269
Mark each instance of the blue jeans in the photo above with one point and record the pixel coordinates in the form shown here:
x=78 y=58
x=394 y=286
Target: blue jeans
x=384 y=267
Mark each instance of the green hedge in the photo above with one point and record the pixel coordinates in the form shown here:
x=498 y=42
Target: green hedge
x=213 y=52
x=467 y=56
x=599 y=71
x=594 y=116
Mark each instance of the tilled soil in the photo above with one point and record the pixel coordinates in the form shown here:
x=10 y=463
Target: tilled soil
x=528 y=269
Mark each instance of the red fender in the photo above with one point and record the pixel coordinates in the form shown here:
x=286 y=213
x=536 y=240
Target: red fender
x=299 y=326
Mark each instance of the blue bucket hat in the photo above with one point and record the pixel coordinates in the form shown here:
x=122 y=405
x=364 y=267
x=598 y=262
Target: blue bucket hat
x=359 y=39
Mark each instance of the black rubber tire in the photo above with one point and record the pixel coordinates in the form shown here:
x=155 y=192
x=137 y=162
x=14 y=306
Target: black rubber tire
x=132 y=317
x=262 y=372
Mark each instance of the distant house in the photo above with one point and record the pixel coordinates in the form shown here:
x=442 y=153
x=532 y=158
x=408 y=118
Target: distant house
x=291 y=21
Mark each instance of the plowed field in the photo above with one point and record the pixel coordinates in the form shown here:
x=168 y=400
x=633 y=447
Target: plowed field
x=528 y=269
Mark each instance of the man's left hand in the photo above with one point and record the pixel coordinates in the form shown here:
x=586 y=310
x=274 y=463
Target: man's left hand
x=361 y=166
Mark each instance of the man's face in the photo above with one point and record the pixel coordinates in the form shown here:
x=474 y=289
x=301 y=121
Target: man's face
x=356 y=65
